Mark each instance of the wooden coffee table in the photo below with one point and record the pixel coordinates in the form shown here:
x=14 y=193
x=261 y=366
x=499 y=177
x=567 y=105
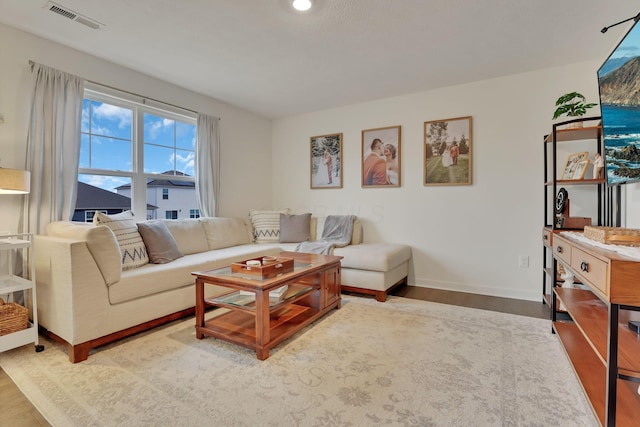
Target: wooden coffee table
x=258 y=322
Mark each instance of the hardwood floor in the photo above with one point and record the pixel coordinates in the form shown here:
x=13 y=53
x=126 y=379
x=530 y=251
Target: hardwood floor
x=502 y=305
x=17 y=411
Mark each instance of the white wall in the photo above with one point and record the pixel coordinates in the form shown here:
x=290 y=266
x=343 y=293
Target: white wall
x=464 y=238
x=241 y=132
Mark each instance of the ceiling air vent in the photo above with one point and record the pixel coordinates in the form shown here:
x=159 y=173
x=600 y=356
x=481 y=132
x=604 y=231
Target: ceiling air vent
x=70 y=14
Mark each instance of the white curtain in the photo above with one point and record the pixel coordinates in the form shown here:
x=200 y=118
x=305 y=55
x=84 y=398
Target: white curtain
x=208 y=164
x=53 y=147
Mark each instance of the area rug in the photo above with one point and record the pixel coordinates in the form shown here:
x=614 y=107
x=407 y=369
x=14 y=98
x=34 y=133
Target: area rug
x=400 y=363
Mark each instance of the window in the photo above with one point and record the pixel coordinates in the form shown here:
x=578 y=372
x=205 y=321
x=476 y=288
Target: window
x=88 y=215
x=132 y=154
x=194 y=213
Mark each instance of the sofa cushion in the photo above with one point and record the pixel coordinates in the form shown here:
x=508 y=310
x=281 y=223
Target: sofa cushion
x=373 y=256
x=295 y=228
x=225 y=232
x=123 y=225
x=189 y=235
x=266 y=225
x=157 y=278
x=161 y=246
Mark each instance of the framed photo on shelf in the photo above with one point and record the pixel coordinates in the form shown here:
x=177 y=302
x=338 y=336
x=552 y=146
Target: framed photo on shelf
x=581 y=168
x=571 y=166
x=326 y=161
x=447 y=151
x=381 y=157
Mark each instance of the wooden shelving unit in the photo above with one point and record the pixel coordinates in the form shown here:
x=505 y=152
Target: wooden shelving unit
x=590 y=138
x=603 y=350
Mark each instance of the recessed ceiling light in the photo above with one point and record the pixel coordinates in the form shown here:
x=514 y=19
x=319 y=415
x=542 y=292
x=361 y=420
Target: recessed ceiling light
x=301 y=5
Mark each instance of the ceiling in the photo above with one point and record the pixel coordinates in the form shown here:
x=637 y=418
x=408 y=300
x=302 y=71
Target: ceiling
x=264 y=57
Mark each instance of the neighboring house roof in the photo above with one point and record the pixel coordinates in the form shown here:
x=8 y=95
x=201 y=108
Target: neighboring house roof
x=90 y=197
x=165 y=182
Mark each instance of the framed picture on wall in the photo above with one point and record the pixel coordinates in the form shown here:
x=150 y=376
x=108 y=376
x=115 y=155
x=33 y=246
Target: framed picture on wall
x=447 y=151
x=326 y=161
x=381 y=157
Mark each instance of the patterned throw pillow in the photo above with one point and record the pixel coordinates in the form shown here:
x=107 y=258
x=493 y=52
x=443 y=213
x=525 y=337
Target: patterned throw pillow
x=134 y=253
x=266 y=225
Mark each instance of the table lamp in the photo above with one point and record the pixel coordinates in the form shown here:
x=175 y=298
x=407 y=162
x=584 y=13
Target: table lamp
x=14 y=181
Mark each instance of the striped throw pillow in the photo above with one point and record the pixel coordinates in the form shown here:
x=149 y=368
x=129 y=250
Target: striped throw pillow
x=134 y=253
x=266 y=225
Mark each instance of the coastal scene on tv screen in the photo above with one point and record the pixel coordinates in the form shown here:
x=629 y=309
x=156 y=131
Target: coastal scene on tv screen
x=619 y=84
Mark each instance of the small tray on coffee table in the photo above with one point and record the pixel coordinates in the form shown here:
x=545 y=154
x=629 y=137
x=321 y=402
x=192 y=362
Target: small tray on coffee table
x=266 y=269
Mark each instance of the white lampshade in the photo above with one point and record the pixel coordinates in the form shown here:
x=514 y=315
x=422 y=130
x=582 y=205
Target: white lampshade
x=14 y=181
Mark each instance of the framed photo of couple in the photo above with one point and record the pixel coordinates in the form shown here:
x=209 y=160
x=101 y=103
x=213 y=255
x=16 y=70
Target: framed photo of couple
x=447 y=151
x=326 y=161
x=381 y=157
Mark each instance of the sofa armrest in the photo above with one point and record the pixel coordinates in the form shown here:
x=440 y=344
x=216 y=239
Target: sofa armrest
x=72 y=294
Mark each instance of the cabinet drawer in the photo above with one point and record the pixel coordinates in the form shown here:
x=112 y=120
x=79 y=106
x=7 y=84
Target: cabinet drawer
x=546 y=237
x=562 y=251
x=591 y=269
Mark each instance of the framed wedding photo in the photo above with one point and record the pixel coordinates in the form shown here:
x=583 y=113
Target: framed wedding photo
x=381 y=157
x=326 y=161
x=447 y=151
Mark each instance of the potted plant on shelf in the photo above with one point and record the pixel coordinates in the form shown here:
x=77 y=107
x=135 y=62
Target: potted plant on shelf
x=573 y=104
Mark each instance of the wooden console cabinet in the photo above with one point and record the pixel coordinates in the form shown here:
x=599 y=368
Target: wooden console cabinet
x=604 y=351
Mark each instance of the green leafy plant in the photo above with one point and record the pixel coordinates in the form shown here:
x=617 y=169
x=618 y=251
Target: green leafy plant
x=572 y=104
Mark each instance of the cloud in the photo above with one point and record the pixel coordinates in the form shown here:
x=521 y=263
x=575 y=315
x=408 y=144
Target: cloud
x=108 y=183
x=112 y=112
x=187 y=162
x=154 y=127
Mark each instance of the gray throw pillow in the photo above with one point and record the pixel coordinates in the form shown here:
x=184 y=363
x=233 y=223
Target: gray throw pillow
x=161 y=246
x=295 y=228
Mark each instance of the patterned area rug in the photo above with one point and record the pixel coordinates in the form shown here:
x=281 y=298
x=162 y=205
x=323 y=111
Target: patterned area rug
x=399 y=363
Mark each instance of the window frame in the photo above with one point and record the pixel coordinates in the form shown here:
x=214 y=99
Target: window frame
x=139 y=106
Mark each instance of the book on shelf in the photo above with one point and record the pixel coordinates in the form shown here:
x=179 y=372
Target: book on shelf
x=276 y=293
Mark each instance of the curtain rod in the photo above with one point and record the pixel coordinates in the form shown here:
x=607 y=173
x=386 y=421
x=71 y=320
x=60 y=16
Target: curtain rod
x=32 y=63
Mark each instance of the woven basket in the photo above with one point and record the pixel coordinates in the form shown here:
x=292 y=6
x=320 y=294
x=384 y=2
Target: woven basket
x=13 y=317
x=613 y=235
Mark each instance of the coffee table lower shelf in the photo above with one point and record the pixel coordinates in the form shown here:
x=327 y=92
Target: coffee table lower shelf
x=239 y=327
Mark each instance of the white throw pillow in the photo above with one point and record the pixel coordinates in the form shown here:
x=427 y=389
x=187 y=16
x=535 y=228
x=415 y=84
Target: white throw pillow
x=266 y=225
x=134 y=253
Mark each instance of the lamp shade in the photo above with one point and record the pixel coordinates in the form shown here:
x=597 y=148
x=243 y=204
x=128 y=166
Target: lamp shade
x=14 y=181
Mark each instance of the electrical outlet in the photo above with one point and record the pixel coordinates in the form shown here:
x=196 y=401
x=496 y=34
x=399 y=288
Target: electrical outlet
x=523 y=261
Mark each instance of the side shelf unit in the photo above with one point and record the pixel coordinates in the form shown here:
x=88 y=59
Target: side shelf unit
x=12 y=244
x=604 y=351
x=588 y=137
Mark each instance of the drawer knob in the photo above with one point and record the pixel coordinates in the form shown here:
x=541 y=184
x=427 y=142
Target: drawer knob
x=559 y=249
x=545 y=237
x=584 y=266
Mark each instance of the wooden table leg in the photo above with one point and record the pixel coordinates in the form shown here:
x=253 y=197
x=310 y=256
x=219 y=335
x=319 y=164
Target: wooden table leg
x=199 y=308
x=263 y=335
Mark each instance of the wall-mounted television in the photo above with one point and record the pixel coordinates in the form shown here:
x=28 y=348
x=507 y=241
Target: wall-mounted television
x=619 y=86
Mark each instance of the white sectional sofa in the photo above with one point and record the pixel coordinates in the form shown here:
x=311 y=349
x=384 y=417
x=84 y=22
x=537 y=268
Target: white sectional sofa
x=86 y=299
